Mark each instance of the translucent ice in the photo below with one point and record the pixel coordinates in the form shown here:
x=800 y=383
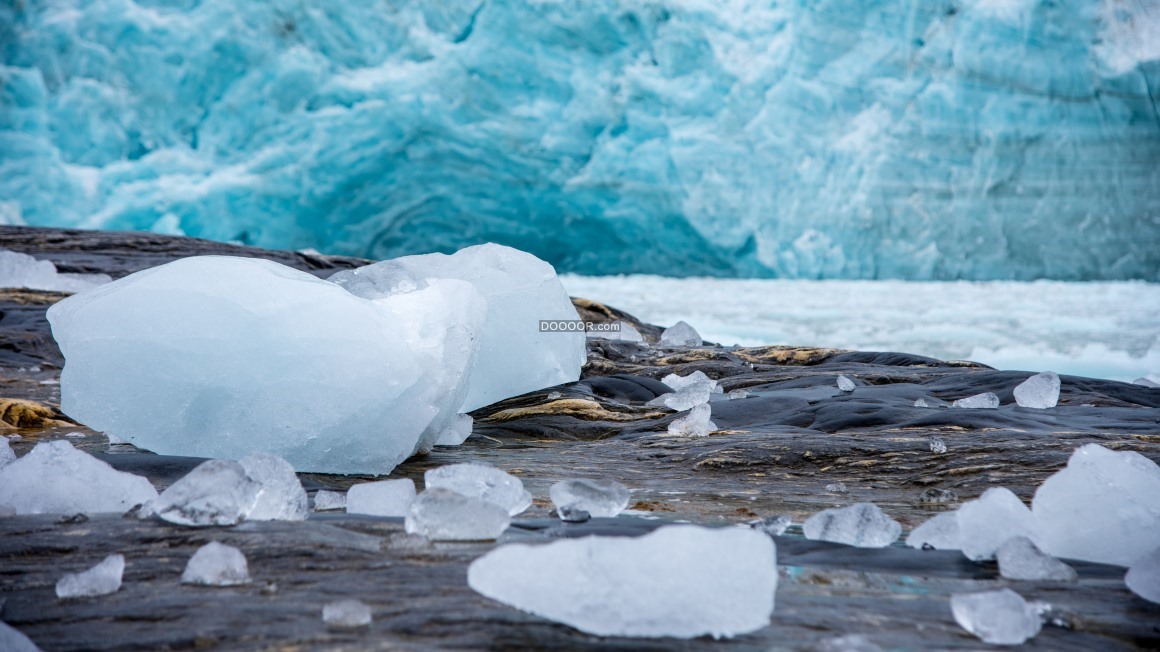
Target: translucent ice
x=19 y=270
x=215 y=492
x=738 y=393
x=382 y=498
x=986 y=400
x=681 y=581
x=481 y=481
x=1146 y=382
x=281 y=497
x=1101 y=507
x=628 y=333
x=937 y=445
x=990 y=520
x=520 y=291
x=845 y=384
x=774 y=525
x=217 y=357
x=6 y=453
x=940 y=532
x=694 y=424
x=1000 y=617
x=346 y=614
x=678 y=383
x=1143 y=578
x=570 y=514
x=13 y=640
x=102 y=579
x=443 y=515
x=680 y=334
x=921 y=403
x=1040 y=391
x=861 y=524
x=55 y=478
x=600 y=498
x=329 y=500
x=1020 y=559
x=685 y=398
x=216 y=564
x=457 y=432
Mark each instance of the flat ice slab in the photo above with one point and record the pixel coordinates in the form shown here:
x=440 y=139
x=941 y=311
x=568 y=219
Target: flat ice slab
x=681 y=581
x=442 y=515
x=382 y=498
x=481 y=481
x=1000 y=617
x=216 y=564
x=102 y=579
x=862 y=524
x=55 y=478
x=600 y=498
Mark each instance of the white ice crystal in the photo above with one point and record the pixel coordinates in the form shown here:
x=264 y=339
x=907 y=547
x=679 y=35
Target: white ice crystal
x=215 y=492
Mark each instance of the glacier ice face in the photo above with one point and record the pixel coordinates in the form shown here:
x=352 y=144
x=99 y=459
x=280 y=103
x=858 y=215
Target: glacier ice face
x=102 y=579
x=856 y=139
x=520 y=291
x=216 y=564
x=55 y=478
x=682 y=581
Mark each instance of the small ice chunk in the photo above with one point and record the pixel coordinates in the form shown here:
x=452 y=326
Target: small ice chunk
x=1143 y=577
x=1101 y=507
x=1040 y=391
x=861 y=524
x=739 y=393
x=680 y=334
x=694 y=424
x=627 y=333
x=346 y=614
x=483 y=481
x=682 y=581
x=6 y=453
x=216 y=492
x=847 y=643
x=990 y=520
x=329 y=500
x=1000 y=617
x=684 y=399
x=696 y=378
x=921 y=403
x=845 y=384
x=382 y=498
x=55 y=478
x=19 y=270
x=555 y=396
x=282 y=497
x=570 y=514
x=774 y=526
x=939 y=533
x=456 y=433
x=1020 y=559
x=441 y=514
x=937 y=497
x=216 y=564
x=986 y=400
x=937 y=445
x=1146 y=382
x=837 y=488
x=102 y=579
x=13 y=640
x=600 y=498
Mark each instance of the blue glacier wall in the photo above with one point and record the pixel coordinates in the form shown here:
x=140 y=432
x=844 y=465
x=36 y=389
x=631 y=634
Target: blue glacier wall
x=832 y=138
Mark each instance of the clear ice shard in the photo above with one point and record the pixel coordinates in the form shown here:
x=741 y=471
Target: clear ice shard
x=682 y=581
x=1000 y=617
x=937 y=445
x=986 y=400
x=1040 y=391
x=441 y=514
x=281 y=496
x=215 y=492
x=102 y=579
x=940 y=532
x=698 y=377
x=694 y=424
x=329 y=500
x=628 y=333
x=216 y=564
x=600 y=498
x=684 y=398
x=457 y=432
x=845 y=384
x=990 y=520
x=19 y=270
x=218 y=357
x=774 y=526
x=55 y=478
x=738 y=393
x=13 y=640
x=1101 y=507
x=482 y=481
x=519 y=291
x=1143 y=578
x=1020 y=559
x=6 y=453
x=862 y=524
x=680 y=334
x=382 y=498
x=346 y=614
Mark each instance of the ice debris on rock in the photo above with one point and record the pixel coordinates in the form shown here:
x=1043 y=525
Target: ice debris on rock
x=921 y=403
x=680 y=334
x=441 y=514
x=457 y=432
x=688 y=391
x=477 y=480
x=519 y=291
x=19 y=270
x=1040 y=391
x=774 y=526
x=937 y=445
x=862 y=524
x=215 y=492
x=935 y=496
x=990 y=520
x=102 y=579
x=600 y=498
x=280 y=496
x=837 y=488
x=1101 y=507
x=681 y=581
x=625 y=332
x=55 y=478
x=6 y=453
x=382 y=498
x=696 y=378
x=1020 y=559
x=694 y=424
x=216 y=564
x=845 y=384
x=13 y=640
x=346 y=614
x=1143 y=578
x=1000 y=617
x=215 y=356
x=986 y=400
x=739 y=393
x=329 y=500
x=940 y=532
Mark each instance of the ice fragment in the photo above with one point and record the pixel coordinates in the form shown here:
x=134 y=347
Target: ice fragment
x=1040 y=391
x=216 y=564
x=481 y=481
x=694 y=424
x=845 y=384
x=102 y=579
x=346 y=614
x=989 y=521
x=440 y=514
x=216 y=492
x=1020 y=559
x=680 y=334
x=13 y=640
x=55 y=478
x=456 y=433
x=937 y=445
x=986 y=400
x=329 y=500
x=382 y=498
x=281 y=496
x=1000 y=617
x=600 y=498
x=1143 y=578
x=940 y=532
x=861 y=524
x=774 y=525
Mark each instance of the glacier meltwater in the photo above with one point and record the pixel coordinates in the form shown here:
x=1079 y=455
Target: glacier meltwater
x=918 y=139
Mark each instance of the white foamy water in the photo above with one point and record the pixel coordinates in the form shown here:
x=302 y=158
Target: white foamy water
x=1102 y=330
